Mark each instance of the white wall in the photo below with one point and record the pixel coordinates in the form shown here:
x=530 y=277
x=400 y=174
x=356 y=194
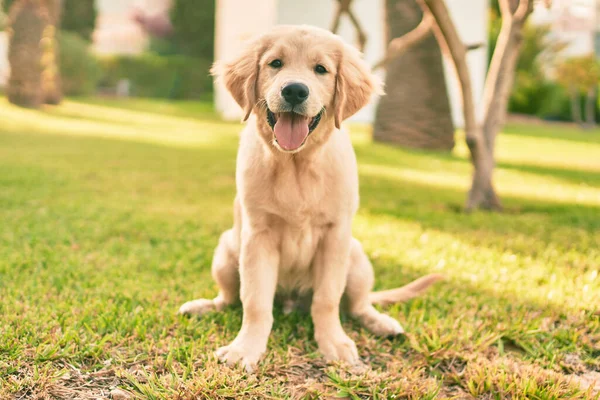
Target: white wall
x=470 y=16
x=237 y=21
x=116 y=32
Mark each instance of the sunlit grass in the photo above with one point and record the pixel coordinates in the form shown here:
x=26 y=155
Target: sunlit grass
x=527 y=145
x=110 y=210
x=81 y=119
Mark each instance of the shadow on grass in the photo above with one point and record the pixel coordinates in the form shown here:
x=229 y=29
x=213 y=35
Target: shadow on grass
x=543 y=222
x=439 y=162
x=576 y=176
x=562 y=132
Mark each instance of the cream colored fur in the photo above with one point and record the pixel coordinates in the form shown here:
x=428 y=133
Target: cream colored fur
x=294 y=210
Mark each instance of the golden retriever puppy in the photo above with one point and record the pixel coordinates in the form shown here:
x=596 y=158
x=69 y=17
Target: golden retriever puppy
x=297 y=193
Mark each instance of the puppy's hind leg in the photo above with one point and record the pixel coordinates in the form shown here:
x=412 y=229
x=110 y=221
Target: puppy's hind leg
x=358 y=289
x=360 y=298
x=225 y=271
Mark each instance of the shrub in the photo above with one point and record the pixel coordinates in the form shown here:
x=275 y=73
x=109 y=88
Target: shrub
x=556 y=105
x=80 y=71
x=79 y=16
x=529 y=93
x=194 y=27
x=151 y=75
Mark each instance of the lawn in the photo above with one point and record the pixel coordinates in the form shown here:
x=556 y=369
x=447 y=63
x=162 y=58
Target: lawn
x=110 y=210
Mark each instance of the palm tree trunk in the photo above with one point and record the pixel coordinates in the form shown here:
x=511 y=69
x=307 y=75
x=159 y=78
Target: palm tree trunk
x=27 y=21
x=416 y=111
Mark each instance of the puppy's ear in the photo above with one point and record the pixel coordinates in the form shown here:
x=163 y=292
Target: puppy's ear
x=354 y=85
x=240 y=76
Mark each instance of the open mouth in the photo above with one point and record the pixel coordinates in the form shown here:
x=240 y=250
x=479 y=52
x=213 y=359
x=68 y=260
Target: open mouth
x=292 y=129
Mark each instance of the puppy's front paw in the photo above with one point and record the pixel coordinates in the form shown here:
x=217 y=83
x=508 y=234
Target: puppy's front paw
x=338 y=347
x=241 y=351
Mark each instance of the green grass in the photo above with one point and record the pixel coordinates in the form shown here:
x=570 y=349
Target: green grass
x=109 y=212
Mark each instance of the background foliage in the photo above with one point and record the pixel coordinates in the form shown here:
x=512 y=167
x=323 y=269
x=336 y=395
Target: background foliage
x=79 y=68
x=534 y=92
x=79 y=16
x=194 y=27
x=152 y=75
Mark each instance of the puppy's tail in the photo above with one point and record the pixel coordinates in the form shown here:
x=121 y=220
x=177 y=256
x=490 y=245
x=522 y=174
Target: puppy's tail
x=405 y=292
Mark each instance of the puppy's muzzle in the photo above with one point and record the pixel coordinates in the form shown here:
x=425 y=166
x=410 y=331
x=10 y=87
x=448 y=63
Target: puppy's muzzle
x=295 y=93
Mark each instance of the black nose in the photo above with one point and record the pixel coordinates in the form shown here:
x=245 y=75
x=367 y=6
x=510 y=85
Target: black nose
x=295 y=93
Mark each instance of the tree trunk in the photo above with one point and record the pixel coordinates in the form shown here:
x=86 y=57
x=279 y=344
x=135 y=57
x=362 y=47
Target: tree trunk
x=27 y=21
x=51 y=82
x=500 y=79
x=498 y=86
x=575 y=106
x=416 y=111
x=590 y=108
x=482 y=194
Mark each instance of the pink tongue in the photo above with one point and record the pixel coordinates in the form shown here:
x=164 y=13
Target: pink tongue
x=291 y=130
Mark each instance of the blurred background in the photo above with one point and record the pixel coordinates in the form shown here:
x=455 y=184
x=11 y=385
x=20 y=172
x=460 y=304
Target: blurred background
x=163 y=49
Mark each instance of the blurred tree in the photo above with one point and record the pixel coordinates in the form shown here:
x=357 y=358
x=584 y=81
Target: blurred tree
x=416 y=111
x=155 y=25
x=481 y=135
x=27 y=21
x=580 y=76
x=79 y=16
x=344 y=8
x=160 y=30
x=194 y=27
x=33 y=53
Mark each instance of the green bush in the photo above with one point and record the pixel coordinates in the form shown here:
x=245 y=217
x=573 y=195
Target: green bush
x=79 y=69
x=151 y=75
x=194 y=27
x=555 y=105
x=79 y=16
x=529 y=93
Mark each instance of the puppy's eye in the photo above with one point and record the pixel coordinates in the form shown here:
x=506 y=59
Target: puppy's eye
x=276 y=63
x=319 y=69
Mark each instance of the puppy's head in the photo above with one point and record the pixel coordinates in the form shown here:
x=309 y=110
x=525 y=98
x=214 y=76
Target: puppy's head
x=300 y=82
